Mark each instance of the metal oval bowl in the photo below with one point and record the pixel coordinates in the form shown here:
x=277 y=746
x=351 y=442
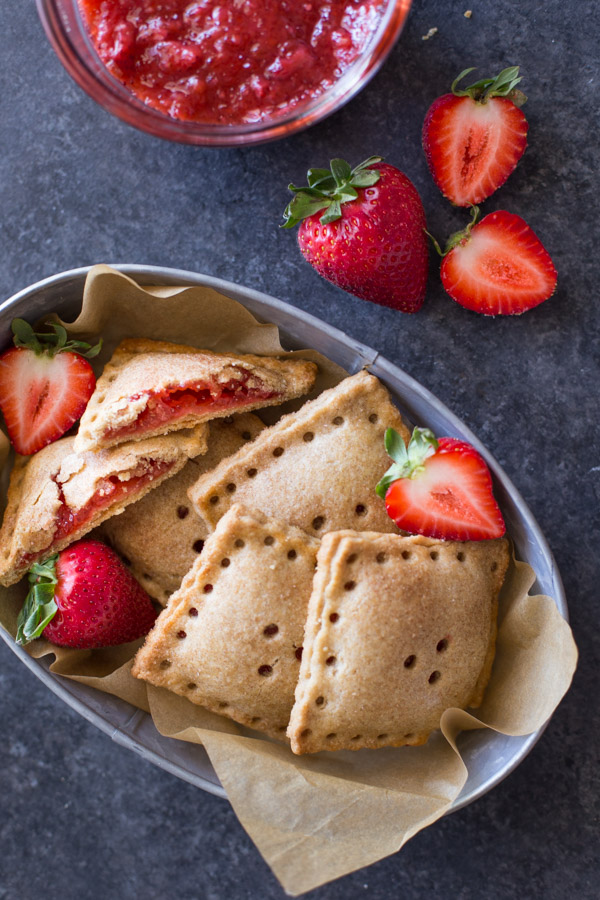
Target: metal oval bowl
x=489 y=756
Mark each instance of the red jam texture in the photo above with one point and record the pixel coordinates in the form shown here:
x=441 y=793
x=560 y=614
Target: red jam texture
x=229 y=61
x=174 y=404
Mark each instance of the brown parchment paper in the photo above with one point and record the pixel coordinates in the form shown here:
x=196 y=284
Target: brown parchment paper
x=313 y=818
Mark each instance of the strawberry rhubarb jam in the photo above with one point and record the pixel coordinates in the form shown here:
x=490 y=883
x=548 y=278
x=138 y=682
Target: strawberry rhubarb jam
x=175 y=403
x=229 y=61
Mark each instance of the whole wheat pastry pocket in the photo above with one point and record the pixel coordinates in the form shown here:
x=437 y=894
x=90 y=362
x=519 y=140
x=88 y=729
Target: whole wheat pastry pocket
x=178 y=533
x=231 y=638
x=316 y=468
x=154 y=387
x=399 y=629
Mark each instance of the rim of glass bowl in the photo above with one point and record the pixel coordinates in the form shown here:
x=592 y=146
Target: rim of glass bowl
x=69 y=38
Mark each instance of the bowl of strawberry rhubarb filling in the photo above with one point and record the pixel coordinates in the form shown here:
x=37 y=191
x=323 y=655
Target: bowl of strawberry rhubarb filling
x=222 y=72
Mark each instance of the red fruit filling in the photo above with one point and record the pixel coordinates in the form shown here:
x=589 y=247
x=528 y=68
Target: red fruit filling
x=175 y=403
x=110 y=490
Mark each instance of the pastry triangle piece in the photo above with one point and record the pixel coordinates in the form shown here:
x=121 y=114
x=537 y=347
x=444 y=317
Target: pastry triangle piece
x=56 y=496
x=316 y=468
x=178 y=534
x=398 y=630
x=230 y=638
x=153 y=387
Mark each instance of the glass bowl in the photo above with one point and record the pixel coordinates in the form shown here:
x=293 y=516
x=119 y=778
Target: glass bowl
x=68 y=35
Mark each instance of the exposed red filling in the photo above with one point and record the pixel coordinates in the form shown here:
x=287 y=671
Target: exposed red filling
x=175 y=403
x=110 y=490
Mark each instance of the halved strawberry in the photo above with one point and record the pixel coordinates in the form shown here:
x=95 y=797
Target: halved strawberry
x=439 y=488
x=474 y=138
x=45 y=385
x=497 y=267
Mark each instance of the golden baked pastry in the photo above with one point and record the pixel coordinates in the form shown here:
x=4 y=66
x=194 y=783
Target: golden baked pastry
x=399 y=629
x=316 y=468
x=230 y=638
x=153 y=387
x=56 y=496
x=168 y=516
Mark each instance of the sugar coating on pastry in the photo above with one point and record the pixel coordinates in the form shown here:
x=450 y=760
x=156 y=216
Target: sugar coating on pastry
x=316 y=468
x=178 y=533
x=230 y=638
x=154 y=387
x=398 y=630
x=57 y=495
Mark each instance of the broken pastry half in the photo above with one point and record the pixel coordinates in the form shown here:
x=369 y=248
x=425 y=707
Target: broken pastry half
x=177 y=532
x=399 y=629
x=230 y=639
x=153 y=387
x=316 y=468
x=57 y=495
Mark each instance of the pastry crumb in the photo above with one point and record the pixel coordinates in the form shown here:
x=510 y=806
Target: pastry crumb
x=430 y=34
x=468 y=13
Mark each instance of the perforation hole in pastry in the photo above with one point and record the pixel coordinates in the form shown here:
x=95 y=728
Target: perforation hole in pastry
x=308 y=436
x=460 y=556
x=380 y=558
x=333 y=617
x=339 y=420
x=223 y=705
x=147 y=577
x=269 y=540
x=193 y=612
x=265 y=670
x=230 y=488
x=410 y=661
x=252 y=473
x=360 y=509
x=198 y=546
x=165 y=664
x=191 y=685
x=181 y=634
x=318 y=522
x=278 y=451
x=255 y=720
x=207 y=588
x=270 y=630
x=356 y=737
x=373 y=418
x=101 y=398
x=434 y=555
x=320 y=701
x=330 y=660
x=246 y=436
x=239 y=543
x=306 y=732
x=408 y=736
x=298 y=653
x=291 y=554
x=435 y=676
x=494 y=566
x=382 y=737
x=331 y=736
x=225 y=563
x=214 y=499
x=442 y=645
x=350 y=585
x=352 y=558
x=182 y=512
x=406 y=554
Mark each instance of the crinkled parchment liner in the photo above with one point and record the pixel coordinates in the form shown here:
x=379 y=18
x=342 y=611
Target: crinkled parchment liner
x=313 y=818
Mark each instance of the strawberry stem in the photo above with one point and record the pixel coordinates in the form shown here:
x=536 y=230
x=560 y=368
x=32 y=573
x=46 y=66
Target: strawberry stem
x=329 y=189
x=456 y=237
x=503 y=85
x=39 y=607
x=408 y=461
x=50 y=343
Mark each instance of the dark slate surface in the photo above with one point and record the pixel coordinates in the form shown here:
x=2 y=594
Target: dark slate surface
x=83 y=818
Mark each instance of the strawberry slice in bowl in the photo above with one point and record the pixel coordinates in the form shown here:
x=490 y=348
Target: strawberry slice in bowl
x=439 y=488
x=46 y=382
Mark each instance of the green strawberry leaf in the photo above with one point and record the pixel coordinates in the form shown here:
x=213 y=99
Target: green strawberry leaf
x=408 y=461
x=40 y=606
x=329 y=189
x=50 y=342
x=503 y=85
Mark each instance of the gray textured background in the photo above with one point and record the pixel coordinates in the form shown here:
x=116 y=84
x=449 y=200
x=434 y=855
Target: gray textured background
x=82 y=818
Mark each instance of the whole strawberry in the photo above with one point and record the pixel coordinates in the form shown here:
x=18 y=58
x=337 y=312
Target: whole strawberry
x=474 y=137
x=84 y=597
x=45 y=385
x=363 y=229
x=439 y=488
